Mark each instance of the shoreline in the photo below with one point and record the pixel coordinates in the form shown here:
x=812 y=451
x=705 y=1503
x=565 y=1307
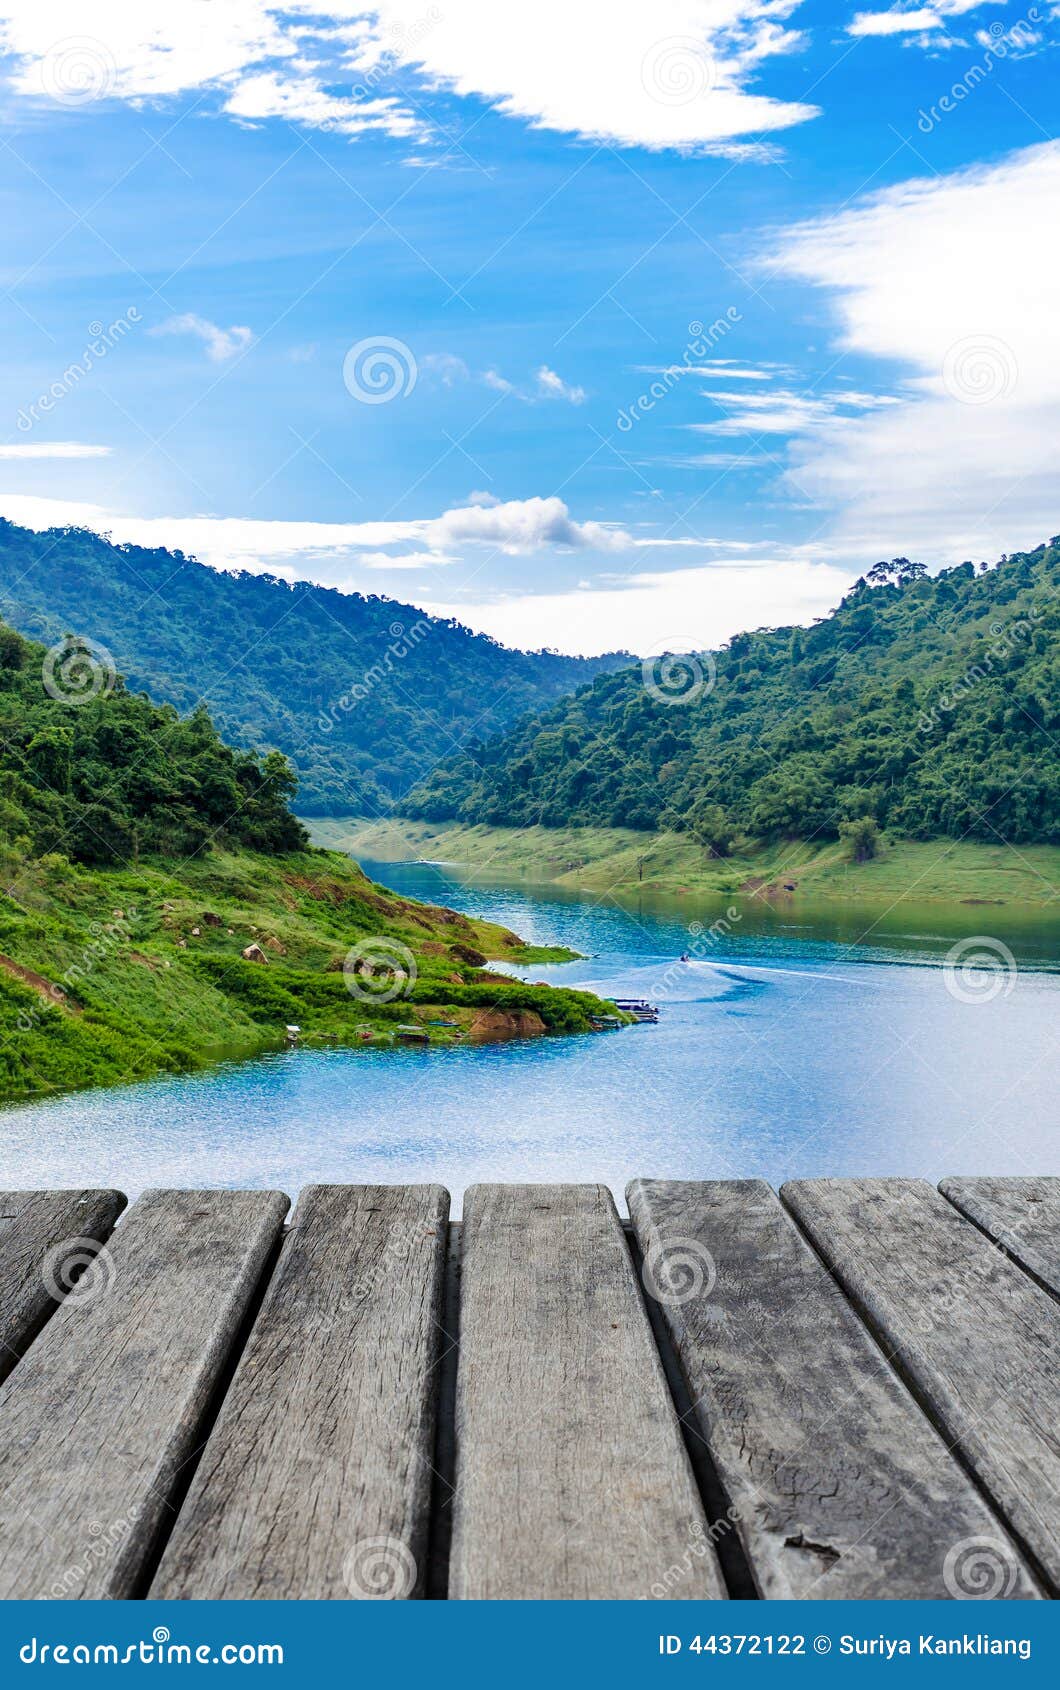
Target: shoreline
x=956 y=873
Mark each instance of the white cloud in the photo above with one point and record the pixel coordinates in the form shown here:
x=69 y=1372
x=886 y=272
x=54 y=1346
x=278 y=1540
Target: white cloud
x=914 y=20
x=53 y=449
x=673 y=74
x=327 y=551
x=525 y=525
x=894 y=23
x=552 y=386
x=782 y=411
x=221 y=344
x=450 y=370
x=704 y=605
x=928 y=274
x=744 y=585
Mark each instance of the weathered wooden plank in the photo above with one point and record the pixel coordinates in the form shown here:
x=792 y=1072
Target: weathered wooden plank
x=101 y=1414
x=978 y=1340
x=316 y=1480
x=1022 y=1215
x=47 y=1239
x=572 y=1479
x=838 y=1485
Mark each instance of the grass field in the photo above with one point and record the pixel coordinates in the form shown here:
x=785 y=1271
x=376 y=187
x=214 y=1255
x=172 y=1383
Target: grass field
x=620 y=859
x=110 y=975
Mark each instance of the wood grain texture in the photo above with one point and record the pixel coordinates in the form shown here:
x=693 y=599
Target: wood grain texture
x=572 y=1479
x=100 y=1416
x=977 y=1339
x=316 y=1481
x=838 y=1485
x=46 y=1239
x=1022 y=1215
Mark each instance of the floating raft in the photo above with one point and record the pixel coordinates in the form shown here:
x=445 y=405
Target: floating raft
x=847 y=1390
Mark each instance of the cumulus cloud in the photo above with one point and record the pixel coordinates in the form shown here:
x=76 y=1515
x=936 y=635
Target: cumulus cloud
x=221 y=344
x=926 y=275
x=676 y=74
x=526 y=525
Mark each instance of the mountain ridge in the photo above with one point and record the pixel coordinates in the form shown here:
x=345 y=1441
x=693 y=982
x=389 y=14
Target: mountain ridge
x=361 y=692
x=926 y=704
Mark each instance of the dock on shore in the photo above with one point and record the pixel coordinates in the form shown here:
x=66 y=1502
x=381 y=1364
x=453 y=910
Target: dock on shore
x=847 y=1389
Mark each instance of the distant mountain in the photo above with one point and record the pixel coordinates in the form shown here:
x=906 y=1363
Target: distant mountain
x=362 y=693
x=926 y=705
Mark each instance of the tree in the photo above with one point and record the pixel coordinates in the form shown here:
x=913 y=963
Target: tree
x=711 y=828
x=863 y=838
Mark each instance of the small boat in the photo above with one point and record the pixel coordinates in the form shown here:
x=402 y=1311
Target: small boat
x=639 y=1008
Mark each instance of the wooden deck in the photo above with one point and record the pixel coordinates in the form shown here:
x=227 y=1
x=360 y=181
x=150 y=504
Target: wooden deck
x=847 y=1390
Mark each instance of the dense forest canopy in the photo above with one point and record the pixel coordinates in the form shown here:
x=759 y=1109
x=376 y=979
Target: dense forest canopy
x=362 y=693
x=929 y=705
x=97 y=774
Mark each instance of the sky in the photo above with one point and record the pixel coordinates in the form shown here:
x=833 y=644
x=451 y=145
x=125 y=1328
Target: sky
x=622 y=324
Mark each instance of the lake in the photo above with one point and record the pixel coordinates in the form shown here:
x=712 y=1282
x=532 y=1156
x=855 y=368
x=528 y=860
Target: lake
x=799 y=1040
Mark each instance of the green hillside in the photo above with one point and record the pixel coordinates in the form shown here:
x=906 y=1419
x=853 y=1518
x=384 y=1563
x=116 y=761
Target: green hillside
x=929 y=706
x=362 y=694
x=161 y=907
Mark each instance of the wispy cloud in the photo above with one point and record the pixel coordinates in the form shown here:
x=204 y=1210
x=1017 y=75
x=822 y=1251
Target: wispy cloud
x=783 y=410
x=53 y=449
x=221 y=344
x=968 y=463
x=451 y=371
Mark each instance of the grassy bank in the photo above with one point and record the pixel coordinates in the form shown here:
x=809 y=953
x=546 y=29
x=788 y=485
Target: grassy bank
x=110 y=975
x=623 y=859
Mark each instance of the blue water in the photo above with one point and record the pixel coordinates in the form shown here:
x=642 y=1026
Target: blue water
x=790 y=1046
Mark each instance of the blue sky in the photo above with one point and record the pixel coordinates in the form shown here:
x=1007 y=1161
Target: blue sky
x=666 y=318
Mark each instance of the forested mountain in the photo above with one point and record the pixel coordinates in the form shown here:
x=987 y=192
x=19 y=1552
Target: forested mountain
x=926 y=705
x=363 y=694
x=100 y=775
